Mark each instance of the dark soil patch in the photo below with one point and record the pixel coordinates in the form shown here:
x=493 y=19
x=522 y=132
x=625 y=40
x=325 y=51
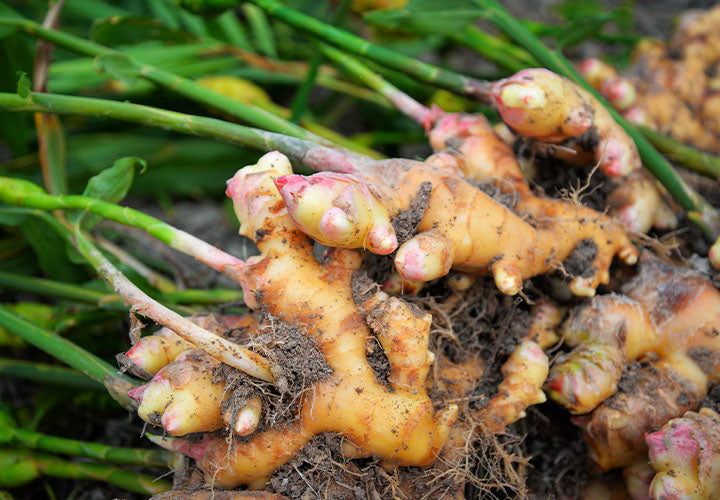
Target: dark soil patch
x=493 y=191
x=378 y=361
x=579 y=262
x=301 y=365
x=558 y=466
x=406 y=222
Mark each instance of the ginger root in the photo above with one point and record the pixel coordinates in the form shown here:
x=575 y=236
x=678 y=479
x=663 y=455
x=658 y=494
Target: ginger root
x=336 y=309
x=671 y=317
x=671 y=88
x=397 y=424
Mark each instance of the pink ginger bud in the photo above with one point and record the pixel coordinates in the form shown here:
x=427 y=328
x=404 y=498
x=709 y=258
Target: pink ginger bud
x=685 y=453
x=538 y=103
x=424 y=257
x=338 y=210
x=620 y=92
x=596 y=71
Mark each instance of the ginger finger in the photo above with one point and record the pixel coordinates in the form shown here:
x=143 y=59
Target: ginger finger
x=606 y=333
x=595 y=71
x=425 y=256
x=183 y=397
x=525 y=103
x=541 y=104
x=155 y=351
x=637 y=479
x=338 y=210
x=638 y=204
x=523 y=376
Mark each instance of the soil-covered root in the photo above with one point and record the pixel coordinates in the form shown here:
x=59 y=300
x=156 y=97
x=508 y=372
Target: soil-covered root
x=402 y=419
x=399 y=425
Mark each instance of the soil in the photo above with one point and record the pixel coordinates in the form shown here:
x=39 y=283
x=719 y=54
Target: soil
x=579 y=262
x=301 y=365
x=406 y=222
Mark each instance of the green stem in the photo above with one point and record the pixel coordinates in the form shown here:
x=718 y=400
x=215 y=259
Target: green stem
x=155 y=279
x=216 y=296
x=220 y=348
x=704 y=163
x=76 y=448
x=112 y=301
x=22 y=193
x=70 y=354
x=690 y=200
x=420 y=70
x=46 y=374
x=311 y=154
x=262 y=34
x=183 y=86
x=233 y=29
x=403 y=102
x=505 y=55
x=299 y=102
x=22 y=466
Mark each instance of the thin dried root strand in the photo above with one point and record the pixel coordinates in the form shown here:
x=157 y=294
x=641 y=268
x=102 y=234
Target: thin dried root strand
x=338 y=210
x=686 y=455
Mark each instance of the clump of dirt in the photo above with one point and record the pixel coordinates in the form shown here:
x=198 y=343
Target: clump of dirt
x=493 y=191
x=712 y=400
x=378 y=361
x=556 y=179
x=308 y=474
x=406 y=222
x=579 y=262
x=301 y=364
